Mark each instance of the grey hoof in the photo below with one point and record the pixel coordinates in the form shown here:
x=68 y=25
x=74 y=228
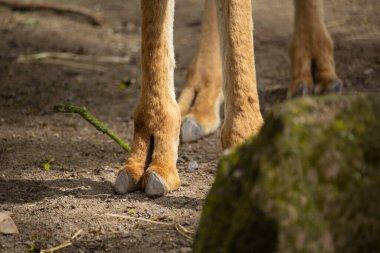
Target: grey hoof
x=302 y=90
x=124 y=183
x=191 y=130
x=333 y=87
x=155 y=185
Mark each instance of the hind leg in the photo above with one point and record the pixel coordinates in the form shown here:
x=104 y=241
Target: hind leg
x=311 y=52
x=152 y=163
x=202 y=95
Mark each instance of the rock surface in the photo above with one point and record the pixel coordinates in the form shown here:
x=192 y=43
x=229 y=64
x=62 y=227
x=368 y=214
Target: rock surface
x=7 y=225
x=309 y=182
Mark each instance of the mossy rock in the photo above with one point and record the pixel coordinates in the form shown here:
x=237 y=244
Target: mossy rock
x=308 y=182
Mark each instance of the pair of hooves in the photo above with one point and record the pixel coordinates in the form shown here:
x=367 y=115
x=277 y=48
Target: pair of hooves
x=334 y=86
x=152 y=183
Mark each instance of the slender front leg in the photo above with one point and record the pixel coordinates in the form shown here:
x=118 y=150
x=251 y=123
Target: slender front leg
x=242 y=112
x=152 y=163
x=311 y=52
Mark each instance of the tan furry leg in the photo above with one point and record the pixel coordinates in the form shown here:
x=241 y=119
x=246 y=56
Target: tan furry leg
x=202 y=95
x=242 y=111
x=157 y=115
x=312 y=47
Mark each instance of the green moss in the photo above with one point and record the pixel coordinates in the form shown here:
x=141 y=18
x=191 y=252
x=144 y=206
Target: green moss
x=309 y=182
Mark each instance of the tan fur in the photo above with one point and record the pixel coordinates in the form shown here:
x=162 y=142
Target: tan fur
x=157 y=113
x=311 y=44
x=204 y=78
x=227 y=59
x=242 y=112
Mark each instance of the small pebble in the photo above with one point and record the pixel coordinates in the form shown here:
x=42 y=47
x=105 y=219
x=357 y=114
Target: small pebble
x=368 y=71
x=193 y=165
x=28 y=243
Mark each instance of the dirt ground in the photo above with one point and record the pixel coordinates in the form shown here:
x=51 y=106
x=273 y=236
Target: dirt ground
x=50 y=206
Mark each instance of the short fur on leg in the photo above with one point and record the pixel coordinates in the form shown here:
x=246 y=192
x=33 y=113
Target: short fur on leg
x=242 y=110
x=202 y=96
x=311 y=52
x=157 y=116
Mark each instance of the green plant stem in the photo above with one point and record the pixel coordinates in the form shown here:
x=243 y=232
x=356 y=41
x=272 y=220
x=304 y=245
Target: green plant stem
x=82 y=111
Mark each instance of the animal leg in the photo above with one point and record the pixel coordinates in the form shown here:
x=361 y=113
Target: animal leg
x=311 y=51
x=157 y=119
x=202 y=95
x=242 y=110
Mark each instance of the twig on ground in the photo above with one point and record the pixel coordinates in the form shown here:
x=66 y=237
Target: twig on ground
x=82 y=111
x=77 y=234
x=78 y=61
x=336 y=23
x=90 y=16
x=63 y=245
x=73 y=57
x=366 y=36
x=271 y=88
x=76 y=65
x=30 y=205
x=139 y=219
x=180 y=229
x=96 y=195
x=183 y=231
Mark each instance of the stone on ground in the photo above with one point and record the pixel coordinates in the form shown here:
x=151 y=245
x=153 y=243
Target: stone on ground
x=308 y=182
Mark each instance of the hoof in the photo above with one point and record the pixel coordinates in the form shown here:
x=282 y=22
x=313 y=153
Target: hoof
x=124 y=183
x=154 y=185
x=302 y=90
x=191 y=130
x=333 y=87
